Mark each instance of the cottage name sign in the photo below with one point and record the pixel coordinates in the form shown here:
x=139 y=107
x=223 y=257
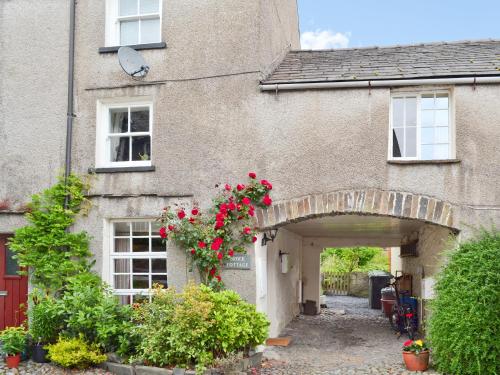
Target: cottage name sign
x=238 y=262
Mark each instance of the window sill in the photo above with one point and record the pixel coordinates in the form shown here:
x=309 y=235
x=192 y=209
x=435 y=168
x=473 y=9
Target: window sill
x=122 y=169
x=137 y=47
x=405 y=162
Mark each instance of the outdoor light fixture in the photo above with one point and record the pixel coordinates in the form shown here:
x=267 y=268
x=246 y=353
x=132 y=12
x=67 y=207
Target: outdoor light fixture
x=271 y=237
x=285 y=266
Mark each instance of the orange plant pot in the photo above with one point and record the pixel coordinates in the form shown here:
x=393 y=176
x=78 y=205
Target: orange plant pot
x=13 y=360
x=414 y=362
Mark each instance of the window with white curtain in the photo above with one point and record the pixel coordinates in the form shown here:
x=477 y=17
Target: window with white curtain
x=133 y=22
x=124 y=132
x=421 y=127
x=138 y=259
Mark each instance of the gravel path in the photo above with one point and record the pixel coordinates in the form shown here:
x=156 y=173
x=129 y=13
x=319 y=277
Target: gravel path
x=346 y=338
x=31 y=368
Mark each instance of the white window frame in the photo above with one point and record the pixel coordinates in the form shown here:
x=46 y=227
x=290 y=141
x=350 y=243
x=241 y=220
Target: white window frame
x=451 y=122
x=103 y=159
x=110 y=255
x=113 y=19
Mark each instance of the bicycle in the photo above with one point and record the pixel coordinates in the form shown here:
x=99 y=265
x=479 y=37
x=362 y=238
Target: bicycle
x=403 y=315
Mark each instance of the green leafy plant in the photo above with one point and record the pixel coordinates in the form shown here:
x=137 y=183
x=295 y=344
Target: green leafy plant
x=13 y=340
x=415 y=346
x=75 y=353
x=212 y=238
x=45 y=247
x=197 y=326
x=45 y=318
x=464 y=324
x=349 y=259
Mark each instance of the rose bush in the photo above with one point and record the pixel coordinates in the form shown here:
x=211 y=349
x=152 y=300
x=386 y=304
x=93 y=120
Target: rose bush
x=212 y=238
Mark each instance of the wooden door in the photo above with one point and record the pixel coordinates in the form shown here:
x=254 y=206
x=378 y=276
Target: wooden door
x=13 y=288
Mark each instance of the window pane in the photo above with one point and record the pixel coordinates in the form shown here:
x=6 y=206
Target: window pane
x=140 y=228
x=129 y=32
x=411 y=142
x=149 y=6
x=140 y=265
x=122 y=229
x=150 y=31
x=427 y=101
x=442 y=135
x=119 y=148
x=139 y=119
x=411 y=111
x=155 y=228
x=441 y=118
x=397 y=142
x=397 y=112
x=427 y=152
x=11 y=266
x=157 y=245
x=441 y=152
x=122 y=245
x=122 y=266
x=122 y=282
x=118 y=122
x=141 y=148
x=427 y=136
x=159 y=266
x=427 y=118
x=442 y=101
x=128 y=7
x=139 y=298
x=160 y=279
x=140 y=245
x=140 y=282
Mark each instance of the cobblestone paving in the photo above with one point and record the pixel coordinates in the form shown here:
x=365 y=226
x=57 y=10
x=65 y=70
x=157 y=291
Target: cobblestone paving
x=31 y=368
x=346 y=338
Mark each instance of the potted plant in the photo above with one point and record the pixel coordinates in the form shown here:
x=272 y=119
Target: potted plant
x=13 y=343
x=416 y=355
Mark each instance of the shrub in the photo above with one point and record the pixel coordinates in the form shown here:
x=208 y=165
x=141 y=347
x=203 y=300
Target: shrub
x=196 y=326
x=45 y=318
x=74 y=353
x=464 y=324
x=13 y=340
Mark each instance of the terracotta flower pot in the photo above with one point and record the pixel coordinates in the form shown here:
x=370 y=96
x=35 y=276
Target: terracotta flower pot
x=13 y=360
x=414 y=362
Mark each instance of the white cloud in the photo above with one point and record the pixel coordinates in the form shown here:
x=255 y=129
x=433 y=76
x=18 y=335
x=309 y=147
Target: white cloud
x=324 y=39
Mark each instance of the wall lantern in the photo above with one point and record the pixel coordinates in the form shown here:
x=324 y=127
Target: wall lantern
x=266 y=238
x=285 y=267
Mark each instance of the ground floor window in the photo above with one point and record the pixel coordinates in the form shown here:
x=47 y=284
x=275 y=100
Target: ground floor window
x=138 y=259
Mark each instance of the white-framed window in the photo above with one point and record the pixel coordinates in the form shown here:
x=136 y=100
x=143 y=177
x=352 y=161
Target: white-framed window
x=124 y=133
x=138 y=258
x=132 y=22
x=421 y=126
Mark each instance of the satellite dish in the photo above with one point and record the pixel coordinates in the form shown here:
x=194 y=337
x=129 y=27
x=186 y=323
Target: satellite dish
x=132 y=62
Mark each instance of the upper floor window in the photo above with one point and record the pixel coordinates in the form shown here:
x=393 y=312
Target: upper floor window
x=132 y=22
x=421 y=126
x=124 y=134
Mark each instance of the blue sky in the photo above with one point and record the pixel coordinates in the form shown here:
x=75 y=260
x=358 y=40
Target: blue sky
x=356 y=23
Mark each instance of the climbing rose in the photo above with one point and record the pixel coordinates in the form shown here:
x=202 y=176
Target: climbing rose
x=171 y=227
x=191 y=220
x=247 y=230
x=267 y=200
x=216 y=244
x=220 y=216
x=194 y=211
x=252 y=175
x=219 y=256
x=267 y=184
x=232 y=206
x=193 y=251
x=181 y=214
x=218 y=278
x=202 y=244
x=251 y=211
x=246 y=201
x=163 y=232
x=231 y=252
x=240 y=187
x=228 y=187
x=219 y=224
x=254 y=239
x=212 y=271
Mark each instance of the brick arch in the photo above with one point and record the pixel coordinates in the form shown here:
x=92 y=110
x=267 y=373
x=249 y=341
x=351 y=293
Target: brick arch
x=361 y=202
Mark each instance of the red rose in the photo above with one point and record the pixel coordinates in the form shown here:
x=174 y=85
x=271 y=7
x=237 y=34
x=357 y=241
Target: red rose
x=193 y=251
x=228 y=187
x=231 y=252
x=218 y=278
x=247 y=230
x=171 y=227
x=191 y=220
x=267 y=200
x=232 y=206
x=219 y=224
x=219 y=256
x=240 y=187
x=254 y=239
x=252 y=175
x=212 y=271
x=251 y=212
x=238 y=206
x=223 y=207
x=240 y=217
x=220 y=216
x=181 y=214
x=216 y=244
x=194 y=211
x=163 y=232
x=267 y=184
x=246 y=201
x=202 y=244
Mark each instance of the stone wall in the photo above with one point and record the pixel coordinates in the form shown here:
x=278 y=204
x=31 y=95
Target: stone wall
x=358 y=284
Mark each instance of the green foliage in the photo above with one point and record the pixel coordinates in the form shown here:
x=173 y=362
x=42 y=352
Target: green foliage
x=52 y=253
x=350 y=259
x=74 y=353
x=13 y=340
x=415 y=346
x=45 y=318
x=465 y=321
x=195 y=327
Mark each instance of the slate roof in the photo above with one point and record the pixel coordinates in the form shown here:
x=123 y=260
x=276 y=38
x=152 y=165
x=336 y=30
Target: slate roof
x=428 y=60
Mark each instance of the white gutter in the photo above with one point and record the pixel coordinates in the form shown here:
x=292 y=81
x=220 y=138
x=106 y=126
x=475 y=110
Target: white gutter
x=378 y=83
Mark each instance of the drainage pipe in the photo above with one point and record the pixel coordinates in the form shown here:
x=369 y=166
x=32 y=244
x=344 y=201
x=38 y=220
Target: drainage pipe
x=378 y=83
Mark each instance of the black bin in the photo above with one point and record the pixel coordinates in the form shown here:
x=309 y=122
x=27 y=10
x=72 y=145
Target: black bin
x=377 y=281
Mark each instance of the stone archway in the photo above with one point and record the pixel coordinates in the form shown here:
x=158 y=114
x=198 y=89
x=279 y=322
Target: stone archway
x=397 y=204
